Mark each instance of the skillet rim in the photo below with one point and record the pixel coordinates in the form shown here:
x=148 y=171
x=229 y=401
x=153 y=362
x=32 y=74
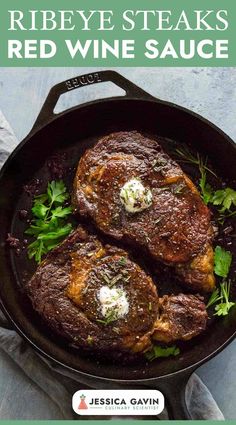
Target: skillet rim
x=227 y=139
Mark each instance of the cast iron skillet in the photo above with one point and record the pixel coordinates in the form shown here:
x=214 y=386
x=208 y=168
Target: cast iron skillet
x=73 y=131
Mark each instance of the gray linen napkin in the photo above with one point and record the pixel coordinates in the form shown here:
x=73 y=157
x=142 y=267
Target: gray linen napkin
x=33 y=388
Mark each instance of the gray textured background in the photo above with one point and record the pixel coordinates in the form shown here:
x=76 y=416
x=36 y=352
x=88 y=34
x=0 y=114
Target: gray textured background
x=210 y=92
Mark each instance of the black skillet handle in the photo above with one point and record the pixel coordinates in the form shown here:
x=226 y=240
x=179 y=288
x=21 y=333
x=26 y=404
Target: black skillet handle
x=174 y=392
x=173 y=388
x=46 y=114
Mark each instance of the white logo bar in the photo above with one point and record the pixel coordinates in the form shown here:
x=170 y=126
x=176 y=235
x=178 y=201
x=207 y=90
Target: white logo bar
x=118 y=402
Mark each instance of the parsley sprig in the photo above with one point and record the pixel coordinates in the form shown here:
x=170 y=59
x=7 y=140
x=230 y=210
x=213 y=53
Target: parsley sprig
x=222 y=261
x=48 y=226
x=157 y=351
x=220 y=296
x=225 y=200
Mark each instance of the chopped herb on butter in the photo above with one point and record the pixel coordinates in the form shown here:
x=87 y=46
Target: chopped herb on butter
x=114 y=304
x=135 y=197
x=122 y=261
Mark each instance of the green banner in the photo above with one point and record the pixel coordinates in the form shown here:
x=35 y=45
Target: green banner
x=120 y=33
x=114 y=421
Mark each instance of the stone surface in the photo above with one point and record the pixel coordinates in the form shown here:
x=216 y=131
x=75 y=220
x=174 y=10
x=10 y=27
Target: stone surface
x=210 y=92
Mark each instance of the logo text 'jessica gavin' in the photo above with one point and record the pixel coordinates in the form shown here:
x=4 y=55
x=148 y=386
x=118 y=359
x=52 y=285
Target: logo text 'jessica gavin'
x=118 y=402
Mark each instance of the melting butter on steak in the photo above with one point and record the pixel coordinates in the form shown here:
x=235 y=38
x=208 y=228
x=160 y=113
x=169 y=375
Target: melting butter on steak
x=98 y=298
x=174 y=226
x=68 y=291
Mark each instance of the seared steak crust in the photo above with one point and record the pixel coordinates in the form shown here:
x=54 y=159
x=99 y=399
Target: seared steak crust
x=175 y=229
x=181 y=317
x=65 y=287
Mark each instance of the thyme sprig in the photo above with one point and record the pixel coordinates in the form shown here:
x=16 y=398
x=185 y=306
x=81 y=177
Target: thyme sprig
x=223 y=199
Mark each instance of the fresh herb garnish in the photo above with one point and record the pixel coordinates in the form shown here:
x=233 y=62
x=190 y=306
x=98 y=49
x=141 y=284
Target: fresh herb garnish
x=215 y=296
x=48 y=225
x=115 y=279
x=197 y=160
x=222 y=261
x=111 y=281
x=222 y=295
x=224 y=199
x=111 y=316
x=157 y=351
x=122 y=261
x=206 y=189
x=188 y=156
x=106 y=278
x=225 y=305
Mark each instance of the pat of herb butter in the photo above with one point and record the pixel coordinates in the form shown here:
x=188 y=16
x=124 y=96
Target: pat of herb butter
x=113 y=301
x=135 y=197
